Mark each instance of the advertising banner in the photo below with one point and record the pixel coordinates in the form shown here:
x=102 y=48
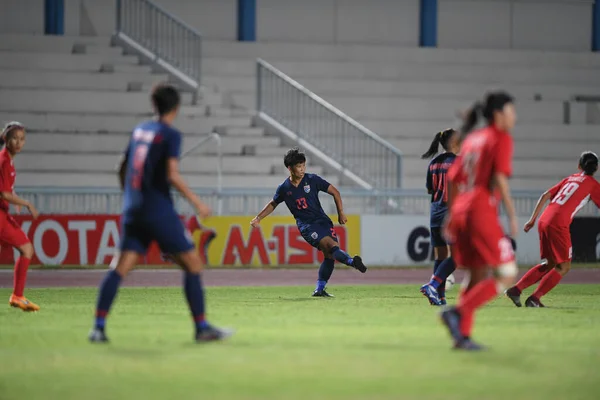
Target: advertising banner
x=404 y=240
x=222 y=241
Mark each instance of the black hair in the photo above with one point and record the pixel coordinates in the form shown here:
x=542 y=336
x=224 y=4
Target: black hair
x=588 y=162
x=8 y=130
x=165 y=98
x=293 y=156
x=494 y=101
x=440 y=138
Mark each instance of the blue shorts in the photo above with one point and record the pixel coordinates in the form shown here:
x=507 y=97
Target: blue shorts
x=313 y=233
x=168 y=232
x=437 y=239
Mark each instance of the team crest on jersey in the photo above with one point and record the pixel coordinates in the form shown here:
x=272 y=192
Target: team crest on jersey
x=307 y=188
x=314 y=235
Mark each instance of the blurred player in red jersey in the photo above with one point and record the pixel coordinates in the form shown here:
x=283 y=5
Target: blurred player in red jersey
x=11 y=233
x=566 y=199
x=479 y=180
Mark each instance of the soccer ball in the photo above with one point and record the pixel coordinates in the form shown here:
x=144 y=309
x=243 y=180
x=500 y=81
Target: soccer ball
x=450 y=282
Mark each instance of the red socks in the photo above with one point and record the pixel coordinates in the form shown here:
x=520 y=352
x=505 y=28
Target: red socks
x=466 y=320
x=531 y=277
x=475 y=298
x=548 y=283
x=20 y=275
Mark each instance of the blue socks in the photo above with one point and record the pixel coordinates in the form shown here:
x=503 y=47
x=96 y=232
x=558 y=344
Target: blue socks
x=442 y=272
x=106 y=296
x=195 y=298
x=436 y=264
x=341 y=256
x=325 y=272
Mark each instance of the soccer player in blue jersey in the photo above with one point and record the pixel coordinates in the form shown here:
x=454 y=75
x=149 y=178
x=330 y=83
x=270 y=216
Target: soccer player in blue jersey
x=437 y=187
x=300 y=192
x=149 y=168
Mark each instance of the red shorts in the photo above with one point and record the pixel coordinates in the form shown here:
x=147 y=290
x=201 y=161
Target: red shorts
x=555 y=243
x=10 y=231
x=478 y=240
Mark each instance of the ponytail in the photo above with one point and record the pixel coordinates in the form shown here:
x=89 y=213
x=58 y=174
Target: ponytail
x=433 y=148
x=471 y=118
x=588 y=162
x=494 y=101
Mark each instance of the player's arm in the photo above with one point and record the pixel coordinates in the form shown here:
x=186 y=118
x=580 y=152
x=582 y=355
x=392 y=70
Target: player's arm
x=547 y=195
x=501 y=182
x=12 y=198
x=176 y=180
x=337 y=198
x=122 y=170
x=266 y=211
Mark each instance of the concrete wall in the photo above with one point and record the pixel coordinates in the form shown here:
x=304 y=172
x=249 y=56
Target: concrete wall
x=339 y=21
x=500 y=24
x=22 y=16
x=518 y=24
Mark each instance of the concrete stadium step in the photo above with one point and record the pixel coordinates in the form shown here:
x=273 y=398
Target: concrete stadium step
x=115 y=143
x=49 y=43
x=441 y=72
x=62 y=62
x=78 y=101
x=413 y=165
x=543 y=151
x=414 y=108
x=74 y=80
x=531 y=131
x=243 y=89
x=66 y=162
x=96 y=122
x=216 y=111
x=285 y=51
x=42 y=179
x=539 y=184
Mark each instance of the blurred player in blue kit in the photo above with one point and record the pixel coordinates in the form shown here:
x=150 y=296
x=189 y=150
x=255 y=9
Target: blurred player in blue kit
x=149 y=168
x=300 y=192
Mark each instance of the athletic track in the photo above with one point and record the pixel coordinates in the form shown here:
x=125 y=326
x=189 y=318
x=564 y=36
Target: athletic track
x=249 y=277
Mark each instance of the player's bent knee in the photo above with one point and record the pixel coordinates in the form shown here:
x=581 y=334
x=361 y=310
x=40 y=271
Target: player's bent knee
x=26 y=250
x=190 y=261
x=505 y=275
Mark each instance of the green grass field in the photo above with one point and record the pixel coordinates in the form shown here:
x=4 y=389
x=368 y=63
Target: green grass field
x=370 y=342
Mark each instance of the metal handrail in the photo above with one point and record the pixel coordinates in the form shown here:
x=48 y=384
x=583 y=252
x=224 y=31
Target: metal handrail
x=162 y=38
x=295 y=100
x=217 y=138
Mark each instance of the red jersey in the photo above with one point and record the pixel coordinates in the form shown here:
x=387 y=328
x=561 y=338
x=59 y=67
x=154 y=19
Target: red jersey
x=7 y=177
x=484 y=153
x=568 y=197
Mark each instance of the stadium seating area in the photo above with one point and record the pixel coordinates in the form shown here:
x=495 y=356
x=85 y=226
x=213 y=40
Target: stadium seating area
x=80 y=96
x=406 y=95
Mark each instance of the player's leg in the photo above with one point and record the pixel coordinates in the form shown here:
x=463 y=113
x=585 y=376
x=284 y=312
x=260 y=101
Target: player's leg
x=446 y=268
x=123 y=262
x=173 y=239
x=560 y=252
x=548 y=282
x=134 y=243
x=537 y=272
x=325 y=271
x=430 y=289
x=482 y=289
x=531 y=277
x=12 y=235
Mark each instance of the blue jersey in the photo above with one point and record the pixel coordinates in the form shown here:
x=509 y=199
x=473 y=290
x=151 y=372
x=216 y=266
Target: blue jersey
x=438 y=188
x=147 y=189
x=303 y=200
